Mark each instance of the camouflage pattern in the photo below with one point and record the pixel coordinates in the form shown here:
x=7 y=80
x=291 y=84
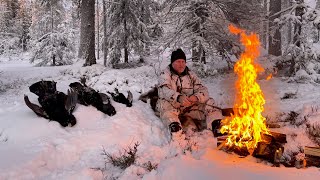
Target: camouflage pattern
x=171 y=85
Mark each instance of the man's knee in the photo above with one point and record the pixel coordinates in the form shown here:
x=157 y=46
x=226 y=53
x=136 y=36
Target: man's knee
x=196 y=114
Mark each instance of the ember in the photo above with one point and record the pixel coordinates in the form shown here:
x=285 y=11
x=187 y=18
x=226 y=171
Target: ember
x=247 y=125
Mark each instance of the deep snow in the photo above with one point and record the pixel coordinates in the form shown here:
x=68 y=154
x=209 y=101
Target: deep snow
x=34 y=148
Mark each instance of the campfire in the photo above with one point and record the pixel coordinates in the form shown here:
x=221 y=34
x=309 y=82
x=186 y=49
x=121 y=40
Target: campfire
x=246 y=128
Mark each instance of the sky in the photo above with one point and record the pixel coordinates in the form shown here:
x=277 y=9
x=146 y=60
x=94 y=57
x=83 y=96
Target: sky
x=31 y=147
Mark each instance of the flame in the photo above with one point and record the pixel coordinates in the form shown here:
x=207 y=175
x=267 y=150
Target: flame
x=247 y=124
x=269 y=76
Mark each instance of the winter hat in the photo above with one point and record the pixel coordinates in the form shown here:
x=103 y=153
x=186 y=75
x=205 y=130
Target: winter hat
x=178 y=54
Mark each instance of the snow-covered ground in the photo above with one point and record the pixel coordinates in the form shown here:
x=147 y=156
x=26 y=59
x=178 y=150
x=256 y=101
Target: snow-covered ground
x=34 y=148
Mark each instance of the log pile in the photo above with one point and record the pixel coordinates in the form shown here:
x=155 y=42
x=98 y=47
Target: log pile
x=270 y=149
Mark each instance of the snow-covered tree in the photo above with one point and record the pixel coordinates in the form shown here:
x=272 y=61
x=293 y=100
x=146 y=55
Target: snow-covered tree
x=52 y=38
x=300 y=59
x=127 y=23
x=317 y=4
x=202 y=25
x=10 y=15
x=46 y=16
x=24 y=24
x=274 y=46
x=15 y=20
x=54 y=45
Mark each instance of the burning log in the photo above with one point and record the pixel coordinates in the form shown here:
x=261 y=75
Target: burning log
x=270 y=148
x=273 y=125
x=227 y=111
x=221 y=144
x=221 y=140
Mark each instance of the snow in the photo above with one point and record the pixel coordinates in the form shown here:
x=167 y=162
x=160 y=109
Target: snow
x=34 y=148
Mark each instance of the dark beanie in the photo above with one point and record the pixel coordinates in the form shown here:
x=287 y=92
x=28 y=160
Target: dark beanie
x=178 y=54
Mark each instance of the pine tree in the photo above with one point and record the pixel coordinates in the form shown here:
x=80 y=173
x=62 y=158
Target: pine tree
x=128 y=22
x=47 y=15
x=25 y=23
x=275 y=35
x=10 y=15
x=300 y=60
x=52 y=39
x=15 y=20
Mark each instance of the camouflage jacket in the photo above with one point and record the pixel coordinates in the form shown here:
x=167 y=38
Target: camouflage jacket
x=171 y=85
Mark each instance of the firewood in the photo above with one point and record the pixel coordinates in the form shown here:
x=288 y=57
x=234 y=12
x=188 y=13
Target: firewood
x=227 y=111
x=273 y=125
x=230 y=111
x=221 y=140
x=279 y=137
x=267 y=138
x=274 y=136
x=312 y=161
x=313 y=151
x=221 y=145
x=269 y=151
x=312 y=156
x=270 y=148
x=242 y=152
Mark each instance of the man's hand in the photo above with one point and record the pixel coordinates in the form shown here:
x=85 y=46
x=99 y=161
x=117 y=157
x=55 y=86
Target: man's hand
x=187 y=101
x=193 y=99
x=184 y=100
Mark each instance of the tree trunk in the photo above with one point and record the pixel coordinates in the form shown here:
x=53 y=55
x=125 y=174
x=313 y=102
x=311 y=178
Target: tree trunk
x=318 y=4
x=196 y=45
x=317 y=7
x=203 y=57
x=98 y=49
x=297 y=35
x=51 y=38
x=297 y=27
x=105 y=47
x=264 y=26
x=203 y=53
x=274 y=39
x=288 y=28
x=53 y=60
x=194 y=53
x=126 y=54
x=26 y=22
x=146 y=20
x=87 y=35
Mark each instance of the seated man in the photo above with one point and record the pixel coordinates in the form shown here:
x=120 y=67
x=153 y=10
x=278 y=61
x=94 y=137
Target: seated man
x=183 y=99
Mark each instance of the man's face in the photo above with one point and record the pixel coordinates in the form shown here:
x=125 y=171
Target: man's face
x=179 y=65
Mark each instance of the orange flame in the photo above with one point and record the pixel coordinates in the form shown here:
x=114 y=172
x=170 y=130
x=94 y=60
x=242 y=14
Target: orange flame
x=269 y=77
x=247 y=123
